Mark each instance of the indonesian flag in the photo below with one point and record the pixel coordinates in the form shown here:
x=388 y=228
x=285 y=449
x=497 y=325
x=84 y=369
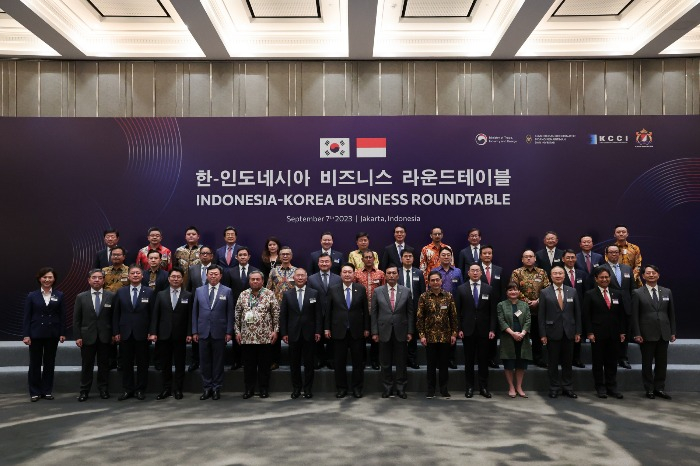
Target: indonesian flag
x=371 y=147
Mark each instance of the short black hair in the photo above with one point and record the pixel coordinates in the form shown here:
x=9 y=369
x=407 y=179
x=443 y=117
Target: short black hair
x=110 y=230
x=360 y=234
x=176 y=269
x=407 y=251
x=230 y=228
x=191 y=227
x=598 y=270
x=152 y=229
x=44 y=270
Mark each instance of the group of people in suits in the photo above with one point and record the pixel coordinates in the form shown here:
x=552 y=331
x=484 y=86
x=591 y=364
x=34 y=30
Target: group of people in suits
x=327 y=313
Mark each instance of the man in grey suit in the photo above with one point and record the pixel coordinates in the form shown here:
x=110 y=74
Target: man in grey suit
x=212 y=326
x=560 y=328
x=196 y=277
x=412 y=278
x=92 y=328
x=393 y=325
x=654 y=326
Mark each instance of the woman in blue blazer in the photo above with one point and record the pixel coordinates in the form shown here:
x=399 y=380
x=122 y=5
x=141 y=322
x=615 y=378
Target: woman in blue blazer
x=43 y=327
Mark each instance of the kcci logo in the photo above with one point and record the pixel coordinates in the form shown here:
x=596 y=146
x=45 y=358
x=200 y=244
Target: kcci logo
x=607 y=139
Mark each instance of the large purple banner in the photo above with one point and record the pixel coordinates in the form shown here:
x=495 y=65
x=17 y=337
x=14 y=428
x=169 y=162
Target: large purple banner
x=67 y=180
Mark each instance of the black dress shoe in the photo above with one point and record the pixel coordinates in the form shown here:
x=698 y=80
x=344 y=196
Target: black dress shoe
x=205 y=395
x=602 y=395
x=125 y=396
x=413 y=365
x=216 y=395
x=430 y=394
x=570 y=394
x=308 y=395
x=485 y=393
x=617 y=395
x=444 y=393
x=34 y=398
x=493 y=364
x=140 y=396
x=386 y=393
x=330 y=365
x=553 y=394
x=82 y=396
x=178 y=395
x=651 y=395
x=264 y=394
x=296 y=394
x=104 y=395
x=163 y=395
x=357 y=393
x=341 y=393
x=579 y=364
x=47 y=396
x=375 y=366
x=247 y=394
x=193 y=367
x=452 y=364
x=625 y=364
x=469 y=393
x=662 y=394
x=402 y=395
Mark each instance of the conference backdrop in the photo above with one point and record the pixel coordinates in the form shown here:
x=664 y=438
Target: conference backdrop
x=66 y=180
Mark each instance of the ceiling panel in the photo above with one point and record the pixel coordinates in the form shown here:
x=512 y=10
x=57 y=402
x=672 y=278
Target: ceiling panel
x=437 y=8
x=592 y=7
x=129 y=8
x=284 y=8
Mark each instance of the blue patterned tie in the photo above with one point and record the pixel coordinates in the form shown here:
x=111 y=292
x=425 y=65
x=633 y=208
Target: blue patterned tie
x=212 y=290
x=348 y=298
x=617 y=274
x=134 y=299
x=476 y=296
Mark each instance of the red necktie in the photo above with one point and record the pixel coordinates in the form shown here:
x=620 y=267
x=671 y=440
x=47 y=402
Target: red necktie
x=228 y=255
x=588 y=262
x=488 y=274
x=573 y=278
x=606 y=297
x=391 y=298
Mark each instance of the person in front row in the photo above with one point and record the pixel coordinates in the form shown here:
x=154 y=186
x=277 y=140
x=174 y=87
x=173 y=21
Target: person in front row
x=436 y=324
x=347 y=322
x=171 y=329
x=392 y=327
x=301 y=324
x=654 y=326
x=257 y=320
x=604 y=324
x=514 y=320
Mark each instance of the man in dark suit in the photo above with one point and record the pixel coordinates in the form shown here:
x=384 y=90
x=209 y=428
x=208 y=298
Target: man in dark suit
x=654 y=326
x=622 y=280
x=560 y=328
x=236 y=278
x=322 y=281
x=412 y=278
x=393 y=324
x=476 y=311
x=301 y=325
x=196 y=277
x=604 y=323
x=226 y=255
x=587 y=260
x=347 y=321
x=550 y=256
x=326 y=248
x=472 y=253
x=133 y=305
x=392 y=253
x=154 y=277
x=171 y=329
x=491 y=275
x=212 y=326
x=578 y=280
x=92 y=329
x=103 y=257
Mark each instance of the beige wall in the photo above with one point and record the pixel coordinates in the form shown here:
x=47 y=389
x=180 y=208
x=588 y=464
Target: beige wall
x=311 y=88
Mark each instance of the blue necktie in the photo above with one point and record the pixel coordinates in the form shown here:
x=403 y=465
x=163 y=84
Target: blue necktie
x=212 y=290
x=204 y=275
x=300 y=297
x=476 y=296
x=476 y=255
x=174 y=299
x=97 y=303
x=134 y=299
x=348 y=300
x=617 y=274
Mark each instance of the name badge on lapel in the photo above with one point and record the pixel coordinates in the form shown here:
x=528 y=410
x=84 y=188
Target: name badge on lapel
x=626 y=275
x=312 y=300
x=144 y=300
x=578 y=280
x=108 y=304
x=337 y=261
x=518 y=313
x=53 y=298
x=616 y=301
x=415 y=279
x=497 y=277
x=454 y=280
x=443 y=307
x=569 y=300
x=222 y=298
x=665 y=298
x=184 y=301
x=485 y=297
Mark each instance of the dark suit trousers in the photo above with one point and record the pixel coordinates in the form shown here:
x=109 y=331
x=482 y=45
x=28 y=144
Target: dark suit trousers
x=622 y=356
x=302 y=351
x=604 y=353
x=651 y=351
x=211 y=362
x=236 y=352
x=256 y=365
x=195 y=352
x=172 y=351
x=134 y=351
x=413 y=349
x=393 y=351
x=357 y=351
x=87 y=355
x=560 y=352
x=438 y=355
x=42 y=352
x=476 y=347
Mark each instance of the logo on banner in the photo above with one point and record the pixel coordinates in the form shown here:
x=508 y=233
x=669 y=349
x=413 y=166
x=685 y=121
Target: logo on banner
x=370 y=147
x=644 y=138
x=335 y=148
x=528 y=138
x=481 y=139
x=608 y=139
